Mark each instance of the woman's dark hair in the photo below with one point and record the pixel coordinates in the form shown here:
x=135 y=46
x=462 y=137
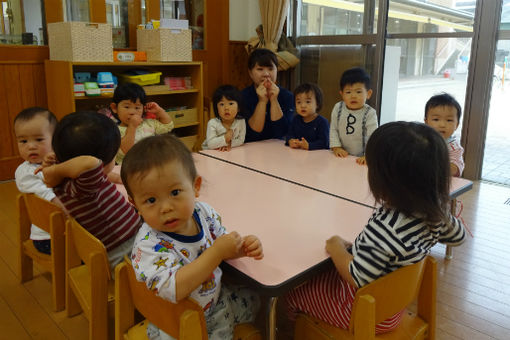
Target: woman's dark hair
x=443 y=99
x=409 y=169
x=86 y=133
x=309 y=87
x=231 y=93
x=129 y=91
x=154 y=152
x=263 y=57
x=355 y=75
x=34 y=111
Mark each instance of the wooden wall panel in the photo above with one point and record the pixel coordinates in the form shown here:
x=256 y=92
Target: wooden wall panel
x=6 y=140
x=21 y=54
x=238 y=72
x=41 y=98
x=22 y=84
x=13 y=93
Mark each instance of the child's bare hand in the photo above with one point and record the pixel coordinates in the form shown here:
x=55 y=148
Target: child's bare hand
x=228 y=136
x=225 y=148
x=361 y=160
x=48 y=160
x=229 y=245
x=252 y=247
x=262 y=92
x=114 y=177
x=340 y=152
x=50 y=178
x=336 y=242
x=134 y=121
x=303 y=144
x=294 y=143
x=154 y=108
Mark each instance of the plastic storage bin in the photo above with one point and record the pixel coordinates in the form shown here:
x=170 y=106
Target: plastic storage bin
x=140 y=77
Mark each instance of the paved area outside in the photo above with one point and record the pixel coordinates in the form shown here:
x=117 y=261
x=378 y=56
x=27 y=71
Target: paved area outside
x=414 y=93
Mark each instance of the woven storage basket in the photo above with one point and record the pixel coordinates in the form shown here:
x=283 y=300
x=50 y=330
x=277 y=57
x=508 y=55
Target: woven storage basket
x=165 y=44
x=80 y=41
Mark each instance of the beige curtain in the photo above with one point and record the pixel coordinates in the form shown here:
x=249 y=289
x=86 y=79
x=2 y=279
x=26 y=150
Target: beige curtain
x=273 y=13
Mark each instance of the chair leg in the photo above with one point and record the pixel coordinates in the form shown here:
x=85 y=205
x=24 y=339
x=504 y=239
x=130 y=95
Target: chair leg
x=26 y=266
x=72 y=304
x=59 y=290
x=98 y=327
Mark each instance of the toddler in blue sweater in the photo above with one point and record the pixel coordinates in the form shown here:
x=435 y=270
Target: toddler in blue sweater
x=308 y=130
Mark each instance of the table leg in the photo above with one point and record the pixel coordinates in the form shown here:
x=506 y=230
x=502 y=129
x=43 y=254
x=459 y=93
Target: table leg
x=271 y=320
x=449 y=253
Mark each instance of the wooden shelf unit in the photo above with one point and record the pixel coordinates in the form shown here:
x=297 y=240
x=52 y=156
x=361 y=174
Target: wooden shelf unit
x=61 y=99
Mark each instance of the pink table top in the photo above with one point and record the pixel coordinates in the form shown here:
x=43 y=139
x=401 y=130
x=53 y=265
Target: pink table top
x=318 y=169
x=291 y=221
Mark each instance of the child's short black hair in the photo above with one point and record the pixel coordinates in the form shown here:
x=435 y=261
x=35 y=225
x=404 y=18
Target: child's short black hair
x=409 y=169
x=443 y=99
x=34 y=111
x=231 y=93
x=355 y=75
x=310 y=87
x=262 y=57
x=154 y=152
x=129 y=91
x=86 y=133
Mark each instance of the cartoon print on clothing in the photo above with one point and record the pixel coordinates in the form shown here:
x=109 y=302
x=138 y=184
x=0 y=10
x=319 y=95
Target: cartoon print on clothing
x=163 y=246
x=161 y=262
x=208 y=284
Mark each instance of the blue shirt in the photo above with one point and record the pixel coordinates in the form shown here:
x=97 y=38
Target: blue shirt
x=315 y=132
x=272 y=129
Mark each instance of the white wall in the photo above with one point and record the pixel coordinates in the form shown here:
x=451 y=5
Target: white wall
x=244 y=18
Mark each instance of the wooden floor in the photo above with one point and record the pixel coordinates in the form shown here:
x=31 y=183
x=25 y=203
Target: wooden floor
x=473 y=288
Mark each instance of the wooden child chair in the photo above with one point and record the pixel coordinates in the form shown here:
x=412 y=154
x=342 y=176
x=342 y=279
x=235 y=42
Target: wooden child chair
x=381 y=299
x=184 y=320
x=51 y=218
x=89 y=286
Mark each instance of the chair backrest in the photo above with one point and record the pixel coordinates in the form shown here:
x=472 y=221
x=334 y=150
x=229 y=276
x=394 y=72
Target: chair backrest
x=87 y=247
x=42 y=213
x=393 y=292
x=175 y=319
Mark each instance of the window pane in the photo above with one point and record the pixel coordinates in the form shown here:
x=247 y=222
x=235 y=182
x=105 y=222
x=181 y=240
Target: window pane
x=425 y=67
x=15 y=30
x=117 y=16
x=78 y=10
x=497 y=142
x=191 y=10
x=505 y=16
x=323 y=17
x=325 y=64
x=430 y=16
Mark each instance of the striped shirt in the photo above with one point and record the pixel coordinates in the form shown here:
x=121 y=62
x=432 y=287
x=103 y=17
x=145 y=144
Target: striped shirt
x=389 y=241
x=392 y=240
x=97 y=205
x=455 y=152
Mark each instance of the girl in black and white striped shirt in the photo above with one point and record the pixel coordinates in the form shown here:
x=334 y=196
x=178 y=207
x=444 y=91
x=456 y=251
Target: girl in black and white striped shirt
x=409 y=176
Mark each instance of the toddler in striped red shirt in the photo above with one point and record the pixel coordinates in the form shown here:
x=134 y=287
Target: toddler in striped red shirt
x=85 y=144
